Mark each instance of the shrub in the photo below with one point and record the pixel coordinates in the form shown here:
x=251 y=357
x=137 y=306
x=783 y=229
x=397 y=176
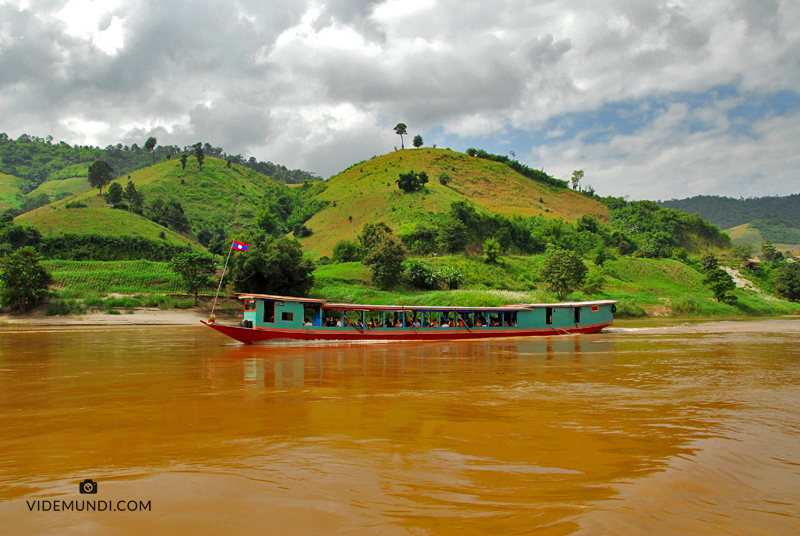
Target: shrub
x=422 y=275
x=451 y=277
x=346 y=251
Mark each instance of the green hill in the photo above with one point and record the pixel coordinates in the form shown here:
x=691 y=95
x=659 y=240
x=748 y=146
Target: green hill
x=367 y=191
x=9 y=189
x=783 y=237
x=217 y=196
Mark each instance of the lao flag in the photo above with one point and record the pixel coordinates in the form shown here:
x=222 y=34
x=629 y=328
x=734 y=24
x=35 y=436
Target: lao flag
x=241 y=246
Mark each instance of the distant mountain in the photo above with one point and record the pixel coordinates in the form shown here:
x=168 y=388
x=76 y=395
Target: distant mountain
x=728 y=212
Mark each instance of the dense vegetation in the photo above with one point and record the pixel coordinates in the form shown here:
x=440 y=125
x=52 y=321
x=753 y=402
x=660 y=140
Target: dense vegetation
x=776 y=230
x=729 y=212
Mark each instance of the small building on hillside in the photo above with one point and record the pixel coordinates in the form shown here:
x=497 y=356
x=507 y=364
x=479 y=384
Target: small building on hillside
x=751 y=264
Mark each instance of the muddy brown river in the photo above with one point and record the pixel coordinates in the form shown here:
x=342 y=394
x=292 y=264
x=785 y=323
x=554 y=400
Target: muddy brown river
x=645 y=429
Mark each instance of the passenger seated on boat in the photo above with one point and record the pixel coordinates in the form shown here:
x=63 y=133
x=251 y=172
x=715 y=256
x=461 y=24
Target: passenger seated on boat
x=515 y=323
x=416 y=323
x=506 y=324
x=339 y=323
x=445 y=324
x=360 y=325
x=460 y=323
x=398 y=324
x=370 y=324
x=308 y=322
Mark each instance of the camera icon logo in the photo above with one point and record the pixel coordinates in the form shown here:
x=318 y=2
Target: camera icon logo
x=88 y=486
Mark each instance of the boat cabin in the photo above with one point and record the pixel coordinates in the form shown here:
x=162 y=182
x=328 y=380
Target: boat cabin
x=280 y=312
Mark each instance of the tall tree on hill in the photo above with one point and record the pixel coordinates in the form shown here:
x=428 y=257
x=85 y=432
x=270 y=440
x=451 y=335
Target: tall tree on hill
x=150 y=146
x=417 y=141
x=134 y=199
x=100 y=174
x=577 y=176
x=400 y=130
x=383 y=253
x=195 y=269
x=114 y=194
x=199 y=154
x=184 y=158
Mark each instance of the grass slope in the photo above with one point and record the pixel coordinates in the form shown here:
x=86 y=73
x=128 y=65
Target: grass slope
x=96 y=220
x=367 y=192
x=9 y=188
x=215 y=196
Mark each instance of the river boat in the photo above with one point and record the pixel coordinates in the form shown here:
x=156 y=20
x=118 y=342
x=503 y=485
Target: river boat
x=272 y=318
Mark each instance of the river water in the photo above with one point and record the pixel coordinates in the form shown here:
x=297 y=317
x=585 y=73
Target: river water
x=691 y=429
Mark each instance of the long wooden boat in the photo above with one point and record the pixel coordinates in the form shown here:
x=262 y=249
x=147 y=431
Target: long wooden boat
x=280 y=317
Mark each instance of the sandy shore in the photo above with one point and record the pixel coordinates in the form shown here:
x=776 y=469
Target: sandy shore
x=139 y=317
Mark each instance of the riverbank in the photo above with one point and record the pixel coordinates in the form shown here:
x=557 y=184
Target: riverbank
x=143 y=317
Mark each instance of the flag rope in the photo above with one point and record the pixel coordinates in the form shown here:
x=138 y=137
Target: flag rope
x=220 y=281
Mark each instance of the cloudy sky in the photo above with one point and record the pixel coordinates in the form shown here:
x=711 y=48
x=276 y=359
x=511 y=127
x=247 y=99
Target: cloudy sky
x=652 y=99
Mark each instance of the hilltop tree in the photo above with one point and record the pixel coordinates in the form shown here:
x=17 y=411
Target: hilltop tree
x=563 y=271
x=150 y=146
x=417 y=141
x=184 y=158
x=100 y=174
x=23 y=281
x=195 y=269
x=577 y=176
x=199 y=154
x=400 y=130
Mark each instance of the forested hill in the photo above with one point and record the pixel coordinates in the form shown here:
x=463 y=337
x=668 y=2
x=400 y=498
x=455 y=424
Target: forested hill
x=36 y=160
x=729 y=212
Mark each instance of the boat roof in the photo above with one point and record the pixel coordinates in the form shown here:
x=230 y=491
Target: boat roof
x=364 y=307
x=279 y=298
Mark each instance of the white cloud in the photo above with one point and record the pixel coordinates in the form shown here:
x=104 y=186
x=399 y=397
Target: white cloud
x=320 y=84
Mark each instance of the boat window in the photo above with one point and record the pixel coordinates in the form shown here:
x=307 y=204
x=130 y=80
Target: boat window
x=577 y=315
x=269 y=312
x=249 y=305
x=548 y=315
x=287 y=317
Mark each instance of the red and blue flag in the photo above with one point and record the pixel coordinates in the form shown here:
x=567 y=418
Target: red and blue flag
x=241 y=246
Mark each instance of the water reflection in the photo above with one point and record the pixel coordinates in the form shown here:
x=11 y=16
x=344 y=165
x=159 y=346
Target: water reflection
x=440 y=438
